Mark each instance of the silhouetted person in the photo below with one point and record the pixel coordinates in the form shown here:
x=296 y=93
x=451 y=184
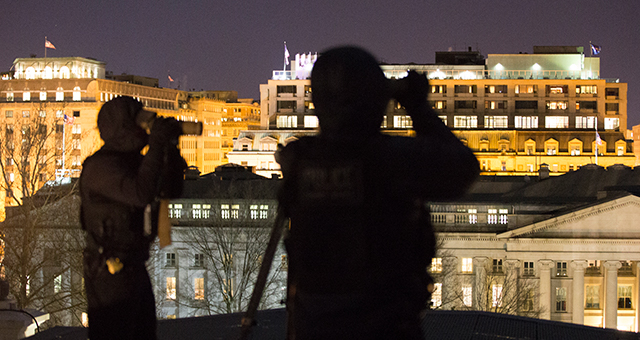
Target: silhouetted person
x=119 y=190
x=360 y=239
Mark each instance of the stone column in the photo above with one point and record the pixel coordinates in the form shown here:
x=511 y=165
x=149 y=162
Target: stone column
x=578 y=291
x=510 y=287
x=611 y=294
x=637 y=305
x=545 y=288
x=480 y=289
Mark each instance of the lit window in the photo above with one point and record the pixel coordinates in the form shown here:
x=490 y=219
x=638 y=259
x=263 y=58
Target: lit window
x=171 y=288
x=175 y=210
x=310 y=121
x=77 y=96
x=467 y=265
x=504 y=219
x=620 y=150
x=253 y=211
x=235 y=209
x=611 y=123
x=561 y=299
x=206 y=209
x=26 y=96
x=443 y=119
x=436 y=296
x=8 y=114
x=624 y=296
x=59 y=94
x=561 y=269
x=76 y=129
x=557 y=105
x=170 y=260
x=224 y=211
x=59 y=114
x=585 y=122
x=496 y=295
x=526 y=122
x=465 y=122
x=473 y=216
x=492 y=216
x=467 y=297
x=9 y=96
x=43 y=95
x=198 y=287
x=436 y=265
x=196 y=211
x=402 y=122
x=551 y=150
x=264 y=211
x=496 y=122
x=593 y=296
x=556 y=122
x=57 y=284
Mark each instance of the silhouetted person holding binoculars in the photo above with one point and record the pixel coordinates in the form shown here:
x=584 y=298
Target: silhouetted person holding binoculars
x=120 y=191
x=360 y=238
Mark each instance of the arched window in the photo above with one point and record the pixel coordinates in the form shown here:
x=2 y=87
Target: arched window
x=64 y=72
x=30 y=73
x=77 y=96
x=59 y=94
x=48 y=73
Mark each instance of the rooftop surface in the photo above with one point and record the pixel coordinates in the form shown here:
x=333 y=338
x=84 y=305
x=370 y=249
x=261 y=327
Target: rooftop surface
x=463 y=325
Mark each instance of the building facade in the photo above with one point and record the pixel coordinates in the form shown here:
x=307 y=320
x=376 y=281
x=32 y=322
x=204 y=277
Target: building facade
x=515 y=111
x=563 y=248
x=61 y=97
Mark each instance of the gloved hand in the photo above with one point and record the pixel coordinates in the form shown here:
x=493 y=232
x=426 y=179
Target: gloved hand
x=165 y=130
x=411 y=91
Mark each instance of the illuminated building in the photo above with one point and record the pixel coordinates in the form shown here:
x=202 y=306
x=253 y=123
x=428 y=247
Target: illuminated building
x=562 y=248
x=75 y=87
x=515 y=111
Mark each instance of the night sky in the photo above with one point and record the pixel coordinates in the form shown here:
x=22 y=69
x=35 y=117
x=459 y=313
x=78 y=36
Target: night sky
x=235 y=45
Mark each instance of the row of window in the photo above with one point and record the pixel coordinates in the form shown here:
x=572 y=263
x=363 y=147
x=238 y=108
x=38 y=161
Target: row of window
x=43 y=95
x=592 y=297
x=523 y=105
x=227 y=211
x=530 y=122
x=525 y=89
x=291 y=122
x=43 y=114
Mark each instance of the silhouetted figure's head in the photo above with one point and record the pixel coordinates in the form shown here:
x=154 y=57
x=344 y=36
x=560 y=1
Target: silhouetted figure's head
x=117 y=125
x=350 y=92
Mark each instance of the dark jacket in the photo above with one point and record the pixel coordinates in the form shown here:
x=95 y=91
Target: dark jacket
x=359 y=222
x=118 y=183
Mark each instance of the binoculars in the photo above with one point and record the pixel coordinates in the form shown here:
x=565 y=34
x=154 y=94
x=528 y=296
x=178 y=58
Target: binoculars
x=145 y=120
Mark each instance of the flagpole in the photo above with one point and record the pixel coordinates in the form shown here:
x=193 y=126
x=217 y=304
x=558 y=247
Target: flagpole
x=597 y=137
x=45 y=47
x=284 y=63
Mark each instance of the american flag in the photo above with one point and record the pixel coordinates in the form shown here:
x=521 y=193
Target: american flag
x=286 y=54
x=68 y=119
x=48 y=44
x=598 y=140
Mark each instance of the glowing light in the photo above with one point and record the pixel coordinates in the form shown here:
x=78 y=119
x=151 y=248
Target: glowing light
x=499 y=67
x=466 y=75
x=574 y=67
x=437 y=75
x=536 y=67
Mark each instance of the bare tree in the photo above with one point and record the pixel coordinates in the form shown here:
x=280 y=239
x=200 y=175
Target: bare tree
x=41 y=235
x=494 y=285
x=225 y=251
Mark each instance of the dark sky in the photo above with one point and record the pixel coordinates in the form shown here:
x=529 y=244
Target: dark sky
x=235 y=45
